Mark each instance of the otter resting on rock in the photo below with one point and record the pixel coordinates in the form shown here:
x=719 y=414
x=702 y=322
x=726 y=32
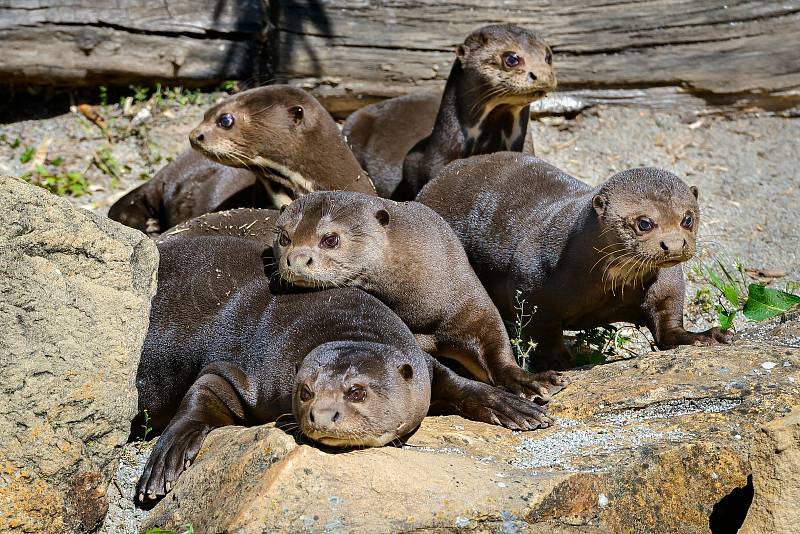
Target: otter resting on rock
x=257 y=149
x=222 y=350
x=407 y=256
x=498 y=71
x=584 y=256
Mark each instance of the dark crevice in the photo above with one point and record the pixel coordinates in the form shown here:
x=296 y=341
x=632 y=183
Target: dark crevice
x=200 y=34
x=729 y=513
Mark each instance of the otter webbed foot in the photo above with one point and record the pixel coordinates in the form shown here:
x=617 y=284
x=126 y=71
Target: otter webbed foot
x=539 y=387
x=499 y=407
x=174 y=451
x=456 y=395
x=712 y=336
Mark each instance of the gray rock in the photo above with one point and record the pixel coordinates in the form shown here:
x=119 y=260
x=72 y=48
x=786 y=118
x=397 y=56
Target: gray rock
x=75 y=292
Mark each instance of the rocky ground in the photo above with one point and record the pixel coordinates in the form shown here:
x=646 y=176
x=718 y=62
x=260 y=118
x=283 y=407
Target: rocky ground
x=749 y=189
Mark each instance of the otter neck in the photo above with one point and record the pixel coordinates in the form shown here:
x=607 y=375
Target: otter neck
x=329 y=165
x=484 y=124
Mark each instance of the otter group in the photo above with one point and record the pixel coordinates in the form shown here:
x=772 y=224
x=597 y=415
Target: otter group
x=289 y=284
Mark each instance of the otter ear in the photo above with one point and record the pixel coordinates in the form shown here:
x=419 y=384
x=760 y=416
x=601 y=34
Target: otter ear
x=382 y=216
x=406 y=371
x=296 y=112
x=283 y=208
x=599 y=203
x=694 y=191
x=461 y=51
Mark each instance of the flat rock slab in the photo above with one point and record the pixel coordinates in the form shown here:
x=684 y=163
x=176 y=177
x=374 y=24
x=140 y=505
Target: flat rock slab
x=648 y=444
x=75 y=293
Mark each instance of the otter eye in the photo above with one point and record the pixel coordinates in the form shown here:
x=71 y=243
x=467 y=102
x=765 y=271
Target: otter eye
x=355 y=394
x=511 y=59
x=226 y=121
x=305 y=393
x=687 y=221
x=548 y=57
x=644 y=224
x=284 y=240
x=329 y=241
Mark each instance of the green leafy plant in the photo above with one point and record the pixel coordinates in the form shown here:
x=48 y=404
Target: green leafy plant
x=736 y=293
x=229 y=86
x=27 y=155
x=103 y=95
x=140 y=93
x=60 y=183
x=522 y=347
x=146 y=425
x=597 y=344
x=105 y=161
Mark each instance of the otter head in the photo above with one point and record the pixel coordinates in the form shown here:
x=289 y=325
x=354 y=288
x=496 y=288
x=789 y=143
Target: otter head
x=349 y=393
x=262 y=128
x=331 y=239
x=513 y=65
x=649 y=219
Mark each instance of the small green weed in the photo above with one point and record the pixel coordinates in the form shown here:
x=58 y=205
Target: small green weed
x=522 y=347
x=597 y=344
x=228 y=86
x=140 y=93
x=146 y=426
x=27 y=155
x=704 y=300
x=105 y=161
x=60 y=183
x=103 y=95
x=736 y=293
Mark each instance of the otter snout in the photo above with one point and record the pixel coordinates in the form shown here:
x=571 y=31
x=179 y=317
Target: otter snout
x=299 y=259
x=674 y=245
x=323 y=418
x=197 y=137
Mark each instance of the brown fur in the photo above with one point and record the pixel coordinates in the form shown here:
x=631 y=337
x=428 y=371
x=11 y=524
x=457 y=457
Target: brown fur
x=286 y=137
x=189 y=186
x=574 y=251
x=484 y=109
x=406 y=255
x=221 y=350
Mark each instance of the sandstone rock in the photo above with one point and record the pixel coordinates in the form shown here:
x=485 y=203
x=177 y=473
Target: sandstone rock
x=75 y=294
x=776 y=477
x=657 y=443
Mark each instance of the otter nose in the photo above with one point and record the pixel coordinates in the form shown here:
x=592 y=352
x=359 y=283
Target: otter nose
x=323 y=416
x=673 y=245
x=200 y=138
x=299 y=258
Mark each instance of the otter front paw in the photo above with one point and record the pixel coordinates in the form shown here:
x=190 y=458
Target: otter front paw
x=540 y=387
x=498 y=407
x=175 y=450
x=712 y=336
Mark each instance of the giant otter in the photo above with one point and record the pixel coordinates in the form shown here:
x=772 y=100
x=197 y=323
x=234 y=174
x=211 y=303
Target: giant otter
x=584 y=256
x=498 y=71
x=222 y=350
x=268 y=146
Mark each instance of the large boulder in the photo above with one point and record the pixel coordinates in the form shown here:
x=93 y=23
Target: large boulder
x=776 y=477
x=75 y=292
x=658 y=443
